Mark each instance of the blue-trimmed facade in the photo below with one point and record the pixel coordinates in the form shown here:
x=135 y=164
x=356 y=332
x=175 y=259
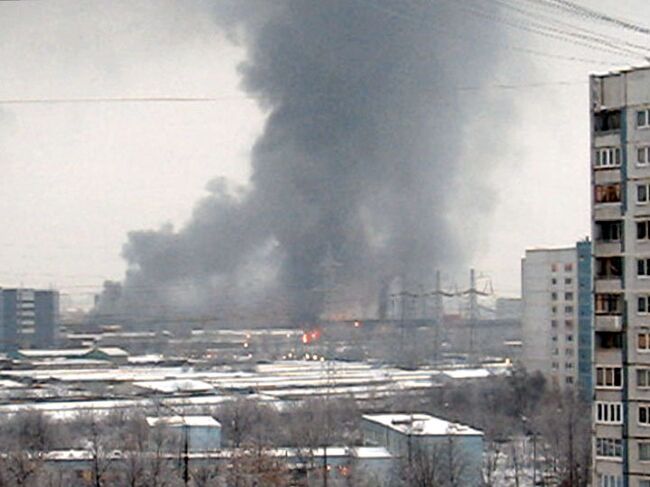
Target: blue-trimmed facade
x=585 y=320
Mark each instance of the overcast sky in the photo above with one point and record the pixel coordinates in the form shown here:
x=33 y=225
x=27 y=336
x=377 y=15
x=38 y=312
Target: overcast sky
x=75 y=178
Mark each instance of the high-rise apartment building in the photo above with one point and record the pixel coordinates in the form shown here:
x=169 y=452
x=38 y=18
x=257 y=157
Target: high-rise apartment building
x=556 y=323
x=28 y=318
x=620 y=178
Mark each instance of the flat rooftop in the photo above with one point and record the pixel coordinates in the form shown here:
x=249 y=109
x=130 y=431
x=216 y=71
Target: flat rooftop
x=421 y=425
x=196 y=421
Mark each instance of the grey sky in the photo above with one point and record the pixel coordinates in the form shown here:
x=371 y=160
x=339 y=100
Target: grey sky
x=75 y=178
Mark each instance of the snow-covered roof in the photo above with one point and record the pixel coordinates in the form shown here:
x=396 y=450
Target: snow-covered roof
x=180 y=385
x=63 y=352
x=369 y=452
x=421 y=425
x=467 y=373
x=72 y=352
x=113 y=351
x=196 y=421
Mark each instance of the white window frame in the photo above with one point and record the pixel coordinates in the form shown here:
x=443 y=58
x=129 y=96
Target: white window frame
x=646 y=335
x=646 y=224
x=645 y=299
x=647 y=444
x=609 y=412
x=643 y=268
x=646 y=116
x=645 y=150
x=607 y=157
x=642 y=201
x=612 y=369
x=610 y=444
x=646 y=372
x=646 y=408
x=610 y=480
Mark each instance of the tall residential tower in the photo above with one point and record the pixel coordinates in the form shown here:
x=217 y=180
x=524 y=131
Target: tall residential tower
x=620 y=178
x=556 y=325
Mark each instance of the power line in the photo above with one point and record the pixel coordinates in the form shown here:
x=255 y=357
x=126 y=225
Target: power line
x=596 y=43
x=577 y=9
x=417 y=20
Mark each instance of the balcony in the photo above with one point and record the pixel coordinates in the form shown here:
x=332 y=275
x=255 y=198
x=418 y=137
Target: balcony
x=608 y=285
x=607 y=211
x=607 y=248
x=608 y=323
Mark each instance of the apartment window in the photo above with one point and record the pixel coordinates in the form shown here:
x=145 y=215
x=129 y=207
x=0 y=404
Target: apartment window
x=608 y=480
x=553 y=267
x=568 y=323
x=643 y=267
x=553 y=323
x=553 y=309
x=608 y=304
x=644 y=451
x=553 y=281
x=643 y=155
x=554 y=338
x=643 y=341
x=643 y=305
x=556 y=351
x=568 y=267
x=568 y=309
x=568 y=296
x=568 y=352
x=609 y=412
x=568 y=380
x=643 y=230
x=607 y=193
x=609 y=340
x=569 y=338
x=555 y=365
x=642 y=118
x=609 y=377
x=607 y=120
x=642 y=191
x=568 y=281
x=609 y=447
x=554 y=296
x=608 y=231
x=643 y=378
x=568 y=365
x=609 y=267
x=644 y=415
x=607 y=157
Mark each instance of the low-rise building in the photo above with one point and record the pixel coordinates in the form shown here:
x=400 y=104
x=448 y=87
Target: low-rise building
x=408 y=436
x=202 y=433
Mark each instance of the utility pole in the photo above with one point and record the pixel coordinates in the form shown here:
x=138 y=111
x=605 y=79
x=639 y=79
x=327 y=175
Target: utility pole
x=186 y=455
x=439 y=317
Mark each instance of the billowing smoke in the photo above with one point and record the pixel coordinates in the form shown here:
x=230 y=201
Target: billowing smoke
x=360 y=172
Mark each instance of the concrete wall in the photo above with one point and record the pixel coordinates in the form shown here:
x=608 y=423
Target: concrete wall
x=549 y=329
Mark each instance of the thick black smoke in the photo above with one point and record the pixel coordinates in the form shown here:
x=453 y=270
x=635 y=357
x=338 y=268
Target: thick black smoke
x=358 y=175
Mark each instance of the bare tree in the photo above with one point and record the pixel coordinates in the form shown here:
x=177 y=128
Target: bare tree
x=257 y=467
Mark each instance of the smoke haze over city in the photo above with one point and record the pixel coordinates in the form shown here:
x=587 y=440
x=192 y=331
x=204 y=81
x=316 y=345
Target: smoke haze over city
x=360 y=175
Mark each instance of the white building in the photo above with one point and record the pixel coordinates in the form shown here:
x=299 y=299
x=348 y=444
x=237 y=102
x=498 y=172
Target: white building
x=549 y=314
x=202 y=433
x=405 y=435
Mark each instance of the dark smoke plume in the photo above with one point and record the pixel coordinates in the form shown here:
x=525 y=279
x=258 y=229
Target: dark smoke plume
x=359 y=174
